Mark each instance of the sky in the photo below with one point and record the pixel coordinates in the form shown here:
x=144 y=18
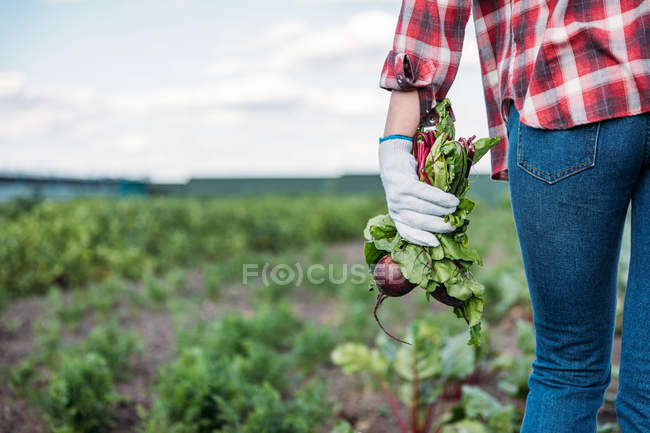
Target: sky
x=167 y=90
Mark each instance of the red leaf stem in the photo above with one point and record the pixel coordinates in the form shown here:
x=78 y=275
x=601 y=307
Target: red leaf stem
x=394 y=404
x=415 y=408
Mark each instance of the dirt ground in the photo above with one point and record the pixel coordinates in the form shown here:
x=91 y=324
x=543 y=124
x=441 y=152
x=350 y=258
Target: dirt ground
x=365 y=408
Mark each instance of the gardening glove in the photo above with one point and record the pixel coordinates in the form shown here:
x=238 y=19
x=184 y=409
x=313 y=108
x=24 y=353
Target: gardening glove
x=415 y=206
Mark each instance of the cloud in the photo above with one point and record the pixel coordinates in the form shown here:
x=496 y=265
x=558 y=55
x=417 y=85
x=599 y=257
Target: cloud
x=10 y=83
x=293 y=98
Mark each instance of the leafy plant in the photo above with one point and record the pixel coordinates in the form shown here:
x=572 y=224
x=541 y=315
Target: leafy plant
x=86 y=240
x=342 y=427
x=305 y=413
x=104 y=296
x=425 y=372
x=479 y=412
x=20 y=376
x=234 y=375
x=157 y=290
x=516 y=369
x=505 y=287
x=116 y=345
x=212 y=279
x=311 y=346
x=80 y=394
x=176 y=279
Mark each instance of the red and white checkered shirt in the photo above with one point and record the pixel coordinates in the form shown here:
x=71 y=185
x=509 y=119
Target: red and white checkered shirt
x=563 y=62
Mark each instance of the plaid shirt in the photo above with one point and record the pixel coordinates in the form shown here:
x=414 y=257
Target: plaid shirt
x=563 y=63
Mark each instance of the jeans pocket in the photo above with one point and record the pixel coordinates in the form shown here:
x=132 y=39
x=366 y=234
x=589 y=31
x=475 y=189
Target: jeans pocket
x=553 y=155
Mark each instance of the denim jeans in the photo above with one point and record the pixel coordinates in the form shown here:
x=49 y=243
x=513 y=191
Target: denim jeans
x=570 y=190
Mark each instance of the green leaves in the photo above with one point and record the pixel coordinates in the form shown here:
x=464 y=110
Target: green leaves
x=380 y=227
x=483 y=145
x=355 y=358
x=342 y=427
x=79 y=395
x=438 y=352
x=240 y=375
x=480 y=405
x=479 y=412
x=453 y=250
x=514 y=379
x=413 y=261
x=445 y=122
x=458 y=359
x=372 y=253
x=458 y=218
x=71 y=242
x=466 y=426
x=423 y=359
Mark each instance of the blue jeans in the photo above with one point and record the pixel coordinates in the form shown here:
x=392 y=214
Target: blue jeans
x=570 y=190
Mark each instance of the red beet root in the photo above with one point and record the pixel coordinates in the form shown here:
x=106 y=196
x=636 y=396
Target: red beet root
x=441 y=295
x=391 y=283
x=389 y=278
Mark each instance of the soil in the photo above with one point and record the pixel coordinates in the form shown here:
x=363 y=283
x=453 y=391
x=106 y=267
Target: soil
x=364 y=407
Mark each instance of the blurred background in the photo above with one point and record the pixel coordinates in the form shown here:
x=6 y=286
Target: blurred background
x=151 y=150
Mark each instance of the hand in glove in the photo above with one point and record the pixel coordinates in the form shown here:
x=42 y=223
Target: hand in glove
x=415 y=207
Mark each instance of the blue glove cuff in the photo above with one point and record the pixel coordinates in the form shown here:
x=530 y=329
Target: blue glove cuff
x=388 y=137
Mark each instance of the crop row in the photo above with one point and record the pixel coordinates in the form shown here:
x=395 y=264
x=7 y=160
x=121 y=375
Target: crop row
x=84 y=240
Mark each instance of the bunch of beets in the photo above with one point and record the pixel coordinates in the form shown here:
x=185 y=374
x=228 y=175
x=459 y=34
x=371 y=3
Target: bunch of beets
x=443 y=272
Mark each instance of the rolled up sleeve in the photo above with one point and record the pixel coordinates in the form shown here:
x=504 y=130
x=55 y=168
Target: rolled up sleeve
x=426 y=49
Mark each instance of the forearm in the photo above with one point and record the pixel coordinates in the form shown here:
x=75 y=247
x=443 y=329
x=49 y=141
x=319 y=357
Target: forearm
x=403 y=113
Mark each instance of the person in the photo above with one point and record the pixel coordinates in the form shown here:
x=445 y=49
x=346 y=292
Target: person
x=567 y=87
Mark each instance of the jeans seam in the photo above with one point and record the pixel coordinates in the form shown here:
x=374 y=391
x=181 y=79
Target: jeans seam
x=646 y=148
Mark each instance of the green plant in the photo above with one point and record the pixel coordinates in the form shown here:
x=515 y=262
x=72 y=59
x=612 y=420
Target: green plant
x=479 y=412
x=115 y=344
x=342 y=427
x=20 y=376
x=86 y=240
x=79 y=395
x=157 y=290
x=192 y=391
x=176 y=279
x=311 y=346
x=213 y=277
x=516 y=369
x=233 y=375
x=426 y=371
x=305 y=413
x=69 y=312
x=48 y=336
x=104 y=296
x=505 y=287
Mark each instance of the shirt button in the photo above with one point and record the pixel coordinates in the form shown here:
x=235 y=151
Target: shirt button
x=400 y=79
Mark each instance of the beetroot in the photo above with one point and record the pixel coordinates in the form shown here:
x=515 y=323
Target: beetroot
x=391 y=283
x=389 y=278
x=441 y=295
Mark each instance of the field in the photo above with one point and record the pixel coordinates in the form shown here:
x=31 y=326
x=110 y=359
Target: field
x=246 y=315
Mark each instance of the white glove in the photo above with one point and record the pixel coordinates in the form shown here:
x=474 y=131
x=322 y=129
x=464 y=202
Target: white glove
x=415 y=206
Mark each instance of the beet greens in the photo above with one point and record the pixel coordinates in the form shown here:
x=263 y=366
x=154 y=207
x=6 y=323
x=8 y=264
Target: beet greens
x=443 y=271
